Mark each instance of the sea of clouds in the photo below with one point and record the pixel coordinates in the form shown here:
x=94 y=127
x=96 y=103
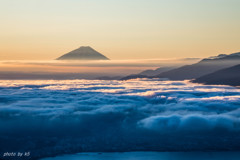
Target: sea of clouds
x=50 y=117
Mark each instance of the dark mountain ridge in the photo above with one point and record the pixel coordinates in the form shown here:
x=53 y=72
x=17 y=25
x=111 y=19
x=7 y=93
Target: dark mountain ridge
x=204 y=67
x=227 y=76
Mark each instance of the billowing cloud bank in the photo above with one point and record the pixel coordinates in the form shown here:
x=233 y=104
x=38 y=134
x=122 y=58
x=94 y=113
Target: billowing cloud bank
x=56 y=117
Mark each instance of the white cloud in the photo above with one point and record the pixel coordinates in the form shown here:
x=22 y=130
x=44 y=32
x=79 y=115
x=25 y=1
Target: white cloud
x=123 y=113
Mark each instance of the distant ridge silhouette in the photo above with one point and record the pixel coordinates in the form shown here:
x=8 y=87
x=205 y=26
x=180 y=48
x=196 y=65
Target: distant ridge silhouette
x=147 y=73
x=83 y=53
x=204 y=67
x=193 y=71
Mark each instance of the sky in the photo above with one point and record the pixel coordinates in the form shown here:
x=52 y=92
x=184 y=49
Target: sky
x=126 y=29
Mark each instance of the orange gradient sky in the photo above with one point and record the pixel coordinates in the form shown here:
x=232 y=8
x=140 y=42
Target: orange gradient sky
x=126 y=29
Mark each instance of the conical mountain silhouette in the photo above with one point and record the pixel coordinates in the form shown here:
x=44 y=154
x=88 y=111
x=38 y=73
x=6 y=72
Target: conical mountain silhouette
x=83 y=53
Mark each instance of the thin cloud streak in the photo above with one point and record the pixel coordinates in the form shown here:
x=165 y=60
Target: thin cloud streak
x=82 y=69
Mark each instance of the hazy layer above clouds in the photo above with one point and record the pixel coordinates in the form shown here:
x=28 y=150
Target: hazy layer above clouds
x=51 y=117
x=82 y=69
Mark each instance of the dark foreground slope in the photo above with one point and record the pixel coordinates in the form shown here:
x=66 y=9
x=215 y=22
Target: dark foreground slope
x=204 y=67
x=228 y=76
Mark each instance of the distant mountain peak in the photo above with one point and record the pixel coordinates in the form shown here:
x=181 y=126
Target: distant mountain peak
x=83 y=53
x=85 y=47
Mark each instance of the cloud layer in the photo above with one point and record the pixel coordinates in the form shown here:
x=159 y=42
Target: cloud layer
x=52 y=117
